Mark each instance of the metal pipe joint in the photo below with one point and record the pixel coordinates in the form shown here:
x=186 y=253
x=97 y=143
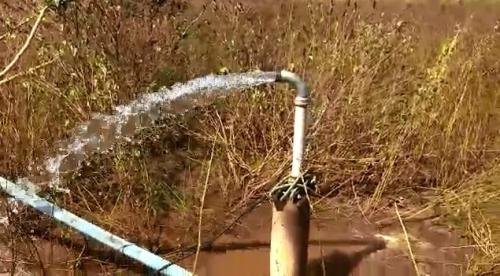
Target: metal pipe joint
x=292 y=78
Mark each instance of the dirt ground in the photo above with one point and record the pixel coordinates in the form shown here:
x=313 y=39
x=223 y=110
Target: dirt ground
x=339 y=245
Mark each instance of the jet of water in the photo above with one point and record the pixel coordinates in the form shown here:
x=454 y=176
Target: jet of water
x=102 y=131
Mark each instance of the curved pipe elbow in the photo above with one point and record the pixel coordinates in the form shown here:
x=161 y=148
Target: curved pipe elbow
x=292 y=78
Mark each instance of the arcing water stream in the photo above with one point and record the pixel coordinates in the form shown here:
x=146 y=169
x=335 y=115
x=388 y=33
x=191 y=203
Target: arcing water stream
x=102 y=131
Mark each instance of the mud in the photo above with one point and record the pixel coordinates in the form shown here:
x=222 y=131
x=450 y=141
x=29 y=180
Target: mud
x=338 y=246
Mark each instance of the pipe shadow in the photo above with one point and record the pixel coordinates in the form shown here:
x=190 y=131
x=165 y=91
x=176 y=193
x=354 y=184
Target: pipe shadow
x=253 y=245
x=338 y=263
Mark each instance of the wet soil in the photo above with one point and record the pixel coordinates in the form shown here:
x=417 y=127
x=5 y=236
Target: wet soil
x=338 y=246
x=341 y=246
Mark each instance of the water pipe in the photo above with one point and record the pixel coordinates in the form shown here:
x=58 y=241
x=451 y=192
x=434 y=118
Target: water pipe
x=290 y=219
x=299 y=127
x=152 y=261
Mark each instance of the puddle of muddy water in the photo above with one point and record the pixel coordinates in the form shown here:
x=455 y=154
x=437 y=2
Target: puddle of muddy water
x=335 y=249
x=338 y=246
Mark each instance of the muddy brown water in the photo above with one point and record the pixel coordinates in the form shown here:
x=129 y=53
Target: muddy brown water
x=339 y=246
x=336 y=249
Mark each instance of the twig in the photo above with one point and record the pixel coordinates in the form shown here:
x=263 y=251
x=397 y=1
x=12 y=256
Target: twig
x=26 y=43
x=27 y=72
x=186 y=30
x=409 y=216
x=383 y=224
x=26 y=20
x=356 y=198
x=202 y=203
x=407 y=240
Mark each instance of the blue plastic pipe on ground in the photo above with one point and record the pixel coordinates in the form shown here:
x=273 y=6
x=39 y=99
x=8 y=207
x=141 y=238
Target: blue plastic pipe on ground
x=152 y=261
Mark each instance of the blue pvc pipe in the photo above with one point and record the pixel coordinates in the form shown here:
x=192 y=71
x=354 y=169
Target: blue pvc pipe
x=152 y=261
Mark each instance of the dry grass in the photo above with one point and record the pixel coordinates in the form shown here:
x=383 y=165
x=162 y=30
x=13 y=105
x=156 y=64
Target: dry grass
x=400 y=106
x=474 y=207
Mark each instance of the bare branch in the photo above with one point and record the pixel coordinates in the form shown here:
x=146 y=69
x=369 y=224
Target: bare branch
x=26 y=43
x=202 y=204
x=410 y=251
x=27 y=72
x=26 y=20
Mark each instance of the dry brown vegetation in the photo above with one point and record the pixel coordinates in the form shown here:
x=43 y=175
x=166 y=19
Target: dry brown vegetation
x=405 y=103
